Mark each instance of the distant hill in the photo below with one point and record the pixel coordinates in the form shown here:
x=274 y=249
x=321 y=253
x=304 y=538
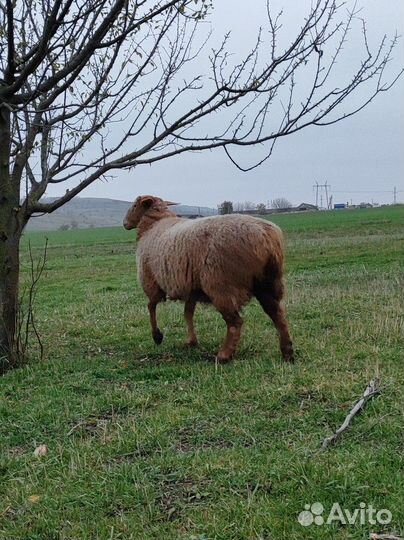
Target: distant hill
x=88 y=212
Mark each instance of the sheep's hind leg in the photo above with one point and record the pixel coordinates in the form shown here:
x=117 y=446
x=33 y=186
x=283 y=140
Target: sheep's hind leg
x=274 y=308
x=234 y=323
x=156 y=332
x=189 y=310
x=228 y=301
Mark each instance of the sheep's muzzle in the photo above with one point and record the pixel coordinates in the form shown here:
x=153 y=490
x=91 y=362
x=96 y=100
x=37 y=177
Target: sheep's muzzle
x=128 y=226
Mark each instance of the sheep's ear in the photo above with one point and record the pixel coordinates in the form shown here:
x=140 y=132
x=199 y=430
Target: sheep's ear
x=169 y=203
x=147 y=201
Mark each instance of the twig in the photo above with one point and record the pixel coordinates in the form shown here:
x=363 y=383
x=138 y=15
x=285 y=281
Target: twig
x=76 y=427
x=26 y=320
x=375 y=536
x=372 y=389
x=5 y=511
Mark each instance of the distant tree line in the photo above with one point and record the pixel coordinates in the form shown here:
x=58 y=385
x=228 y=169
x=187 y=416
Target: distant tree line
x=228 y=207
x=66 y=226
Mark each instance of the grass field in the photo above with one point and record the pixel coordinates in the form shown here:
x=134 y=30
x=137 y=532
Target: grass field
x=149 y=442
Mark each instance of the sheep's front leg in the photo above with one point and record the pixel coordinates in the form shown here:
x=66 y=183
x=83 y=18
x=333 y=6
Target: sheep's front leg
x=189 y=311
x=156 y=333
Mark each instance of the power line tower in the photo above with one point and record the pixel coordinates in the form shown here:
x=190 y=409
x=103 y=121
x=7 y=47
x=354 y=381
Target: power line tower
x=322 y=189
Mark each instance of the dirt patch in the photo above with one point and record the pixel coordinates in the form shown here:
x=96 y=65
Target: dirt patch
x=18 y=451
x=199 y=436
x=176 y=494
x=95 y=425
x=143 y=452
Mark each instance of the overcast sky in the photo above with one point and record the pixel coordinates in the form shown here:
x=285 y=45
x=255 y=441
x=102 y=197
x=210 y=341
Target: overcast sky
x=362 y=158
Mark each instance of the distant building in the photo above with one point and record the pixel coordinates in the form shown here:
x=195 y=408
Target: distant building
x=267 y=211
x=365 y=205
x=306 y=206
x=339 y=205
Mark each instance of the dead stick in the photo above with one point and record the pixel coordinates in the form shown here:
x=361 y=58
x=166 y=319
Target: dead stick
x=372 y=389
x=375 y=536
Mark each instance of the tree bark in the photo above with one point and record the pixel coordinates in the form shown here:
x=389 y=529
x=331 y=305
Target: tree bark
x=10 y=235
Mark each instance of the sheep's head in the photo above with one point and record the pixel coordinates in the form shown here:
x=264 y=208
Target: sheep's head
x=143 y=204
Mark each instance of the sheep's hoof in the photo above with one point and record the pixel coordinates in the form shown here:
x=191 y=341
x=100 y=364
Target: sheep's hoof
x=222 y=358
x=191 y=343
x=158 y=336
x=288 y=355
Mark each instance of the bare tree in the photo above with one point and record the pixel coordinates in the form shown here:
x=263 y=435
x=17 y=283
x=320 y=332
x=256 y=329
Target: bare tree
x=244 y=206
x=249 y=205
x=281 y=203
x=91 y=86
x=261 y=208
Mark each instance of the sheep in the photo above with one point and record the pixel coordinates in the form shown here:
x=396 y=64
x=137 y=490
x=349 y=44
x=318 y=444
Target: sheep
x=223 y=260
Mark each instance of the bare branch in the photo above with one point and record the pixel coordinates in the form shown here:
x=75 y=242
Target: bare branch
x=102 y=85
x=372 y=389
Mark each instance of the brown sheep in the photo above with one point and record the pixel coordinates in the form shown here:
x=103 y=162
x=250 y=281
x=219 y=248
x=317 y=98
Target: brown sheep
x=223 y=260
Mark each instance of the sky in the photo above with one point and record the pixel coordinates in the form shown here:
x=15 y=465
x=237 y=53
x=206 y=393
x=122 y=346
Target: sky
x=361 y=158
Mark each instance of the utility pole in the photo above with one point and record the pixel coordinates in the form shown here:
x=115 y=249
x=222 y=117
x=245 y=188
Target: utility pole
x=395 y=195
x=323 y=188
x=316 y=186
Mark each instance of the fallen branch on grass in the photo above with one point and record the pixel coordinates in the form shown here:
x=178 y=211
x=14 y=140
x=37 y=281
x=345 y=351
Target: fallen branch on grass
x=372 y=389
x=375 y=536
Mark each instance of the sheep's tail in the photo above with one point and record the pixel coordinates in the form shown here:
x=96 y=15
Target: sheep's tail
x=279 y=251
x=276 y=250
x=271 y=280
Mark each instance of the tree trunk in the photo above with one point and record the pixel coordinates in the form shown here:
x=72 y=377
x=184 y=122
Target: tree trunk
x=9 y=276
x=10 y=235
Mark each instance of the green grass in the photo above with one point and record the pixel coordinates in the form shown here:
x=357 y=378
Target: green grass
x=158 y=443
